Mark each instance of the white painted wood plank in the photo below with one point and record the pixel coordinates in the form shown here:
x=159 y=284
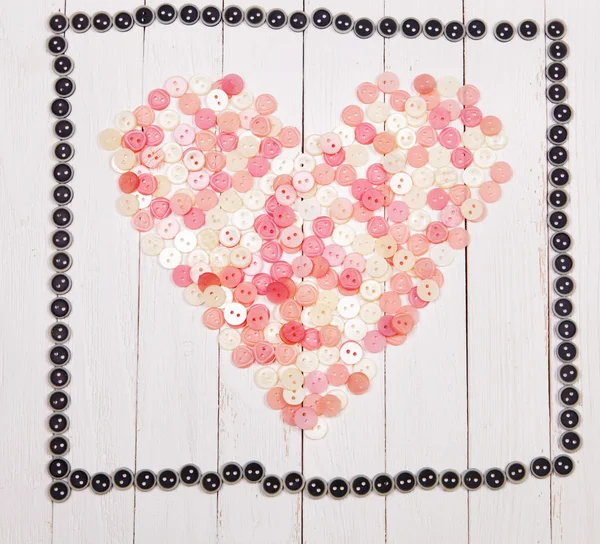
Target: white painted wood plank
x=355 y=443
x=426 y=377
x=508 y=286
x=104 y=294
x=269 y=61
x=178 y=356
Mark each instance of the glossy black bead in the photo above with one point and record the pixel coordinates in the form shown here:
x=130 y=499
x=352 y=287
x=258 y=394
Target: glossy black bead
x=563 y=286
x=364 y=28
x=562 y=264
x=211 y=15
x=405 y=481
x=58 y=423
x=211 y=482
x=316 y=488
x=58 y=445
x=570 y=441
x=566 y=329
x=563 y=465
x=449 y=480
x=59 y=377
x=566 y=352
x=101 y=483
x=562 y=307
x=454 y=31
x=504 y=31
x=61 y=261
x=569 y=419
x=433 y=28
x=427 y=478
x=410 y=27
x=189 y=474
x=58 y=400
x=271 y=485
x=338 y=488
x=555 y=29
x=59 y=491
x=556 y=71
x=541 y=467
x=64 y=87
x=123 y=478
x=166 y=14
x=60 y=332
x=168 y=479
x=562 y=113
x=254 y=471
x=60 y=355
x=63 y=173
x=145 y=480
x=276 y=19
x=558 y=134
x=60 y=307
x=321 y=18
x=231 y=473
x=233 y=15
x=558 y=50
x=59 y=468
x=144 y=16
x=568 y=373
x=80 y=22
x=58 y=23
x=528 y=29
x=556 y=93
x=558 y=199
x=56 y=45
x=298 y=21
x=63 y=151
x=61 y=239
x=293 y=482
x=62 y=194
x=388 y=27
x=472 y=479
x=343 y=23
x=569 y=396
x=62 y=65
x=558 y=220
x=476 y=29
x=123 y=21
x=255 y=16
x=79 y=479
x=64 y=129
x=383 y=484
x=60 y=108
x=559 y=177
x=101 y=21
x=62 y=217
x=516 y=472
x=189 y=14
x=494 y=478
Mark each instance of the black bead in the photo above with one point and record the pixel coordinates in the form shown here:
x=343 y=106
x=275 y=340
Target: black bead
x=145 y=480
x=321 y=18
x=254 y=471
x=316 y=488
x=231 y=473
x=555 y=29
x=566 y=351
x=59 y=468
x=569 y=419
x=60 y=108
x=541 y=467
x=60 y=284
x=433 y=28
x=61 y=261
x=563 y=286
x=557 y=221
x=58 y=445
x=56 y=45
x=189 y=14
x=383 y=484
x=64 y=129
x=233 y=15
x=63 y=173
x=80 y=22
x=123 y=21
x=570 y=441
x=61 y=239
x=516 y=472
x=388 y=27
x=559 y=177
x=558 y=50
x=410 y=27
x=566 y=329
x=211 y=15
x=558 y=199
x=271 y=485
x=58 y=423
x=168 y=479
x=556 y=93
x=62 y=194
x=343 y=23
x=562 y=113
x=569 y=396
x=567 y=373
x=494 y=478
x=62 y=217
x=364 y=28
x=63 y=151
x=338 y=488
x=60 y=332
x=405 y=481
x=558 y=134
x=62 y=65
x=557 y=155
x=504 y=31
x=58 y=400
x=101 y=21
x=60 y=355
x=562 y=264
x=58 y=23
x=563 y=465
x=144 y=16
x=79 y=479
x=64 y=87
x=123 y=478
x=276 y=19
x=528 y=29
x=211 y=482
x=293 y=482
x=59 y=377
x=59 y=491
x=255 y=16
x=562 y=307
x=476 y=29
x=189 y=474
x=427 y=478
x=166 y=14
x=60 y=307
x=101 y=483
x=449 y=480
x=556 y=71
x=472 y=479
x=298 y=21
x=454 y=31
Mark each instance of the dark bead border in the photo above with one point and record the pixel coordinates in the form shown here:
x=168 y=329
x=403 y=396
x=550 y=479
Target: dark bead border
x=65 y=479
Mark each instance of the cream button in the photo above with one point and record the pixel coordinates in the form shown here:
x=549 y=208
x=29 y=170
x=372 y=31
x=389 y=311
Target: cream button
x=415 y=106
x=216 y=219
x=318 y=431
x=428 y=290
x=394 y=162
x=291 y=377
x=378 y=111
x=197 y=256
x=266 y=184
x=343 y=235
x=446 y=177
x=305 y=161
x=254 y=200
x=404 y=260
x=439 y=156
x=367 y=367
x=307 y=361
x=128 y=205
x=370 y=290
x=328 y=356
x=293 y=397
x=357 y=155
x=243 y=219
x=473 y=138
x=415 y=198
x=376 y=266
x=243 y=100
x=110 y=139
x=496 y=142
x=152 y=245
x=312 y=145
x=282 y=165
x=308 y=209
x=200 y=84
x=370 y=313
x=125 y=121
x=448 y=86
x=192 y=295
x=418 y=220
x=265 y=378
x=423 y=178
x=473 y=176
x=472 y=209
x=271 y=333
x=173 y=152
x=168 y=120
x=177 y=174
x=363 y=244
x=207 y=239
x=326 y=195
x=229 y=339
x=441 y=254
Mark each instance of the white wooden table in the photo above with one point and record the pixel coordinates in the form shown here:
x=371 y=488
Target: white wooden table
x=150 y=389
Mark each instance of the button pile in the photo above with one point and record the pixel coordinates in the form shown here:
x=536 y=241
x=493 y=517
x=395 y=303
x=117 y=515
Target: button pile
x=307 y=262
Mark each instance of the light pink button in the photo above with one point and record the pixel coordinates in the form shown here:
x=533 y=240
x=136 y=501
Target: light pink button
x=490 y=191
x=471 y=116
x=501 y=172
x=424 y=83
x=374 y=342
x=437 y=198
x=265 y=104
x=316 y=381
x=337 y=374
x=439 y=118
x=205 y=118
x=388 y=82
x=181 y=275
x=468 y=95
x=367 y=93
x=449 y=138
x=305 y=418
x=352 y=115
x=176 y=86
x=491 y=125
x=398 y=211
x=451 y=216
x=159 y=99
x=458 y=239
x=398 y=100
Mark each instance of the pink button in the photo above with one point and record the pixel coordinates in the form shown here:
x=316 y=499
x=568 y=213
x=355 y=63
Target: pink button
x=374 y=342
x=148 y=184
x=289 y=137
x=189 y=103
x=414 y=299
x=491 y=125
x=316 y=381
x=258 y=317
x=335 y=159
x=377 y=227
x=302 y=266
x=426 y=136
x=418 y=244
x=367 y=93
x=458 y=239
x=323 y=226
x=399 y=232
x=227 y=141
x=232 y=84
x=490 y=191
x=358 y=383
x=436 y=232
x=471 y=116
x=461 y=157
x=365 y=133
x=451 y=216
x=264 y=353
x=258 y=166
x=501 y=172
x=401 y=283
x=390 y=302
x=398 y=100
x=220 y=181
x=198 y=180
x=312 y=246
x=205 y=118
x=271 y=251
x=376 y=174
x=424 y=268
x=159 y=99
x=160 y=207
x=270 y=148
x=206 y=199
x=194 y=219
x=372 y=199
x=144 y=115
x=437 y=198
x=176 y=86
x=345 y=175
x=468 y=95
x=356 y=261
x=384 y=325
x=245 y=293
x=288 y=413
x=352 y=115
x=439 y=118
x=424 y=83
x=449 y=138
x=388 y=82
x=350 y=278
x=334 y=254
x=134 y=140
x=181 y=275
x=213 y=319
x=337 y=374
x=243 y=357
x=458 y=194
x=305 y=418
x=398 y=211
x=265 y=104
x=417 y=156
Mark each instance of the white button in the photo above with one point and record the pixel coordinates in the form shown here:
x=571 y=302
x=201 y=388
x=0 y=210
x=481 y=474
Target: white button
x=318 y=431
x=197 y=269
x=200 y=84
x=185 y=241
x=192 y=295
x=343 y=235
x=446 y=177
x=423 y=178
x=370 y=313
x=177 y=173
x=378 y=111
x=415 y=198
x=473 y=176
x=348 y=307
x=217 y=100
x=448 y=86
x=294 y=396
x=254 y=200
x=484 y=157
x=234 y=313
x=307 y=361
x=340 y=395
x=370 y=290
x=282 y=165
x=291 y=377
x=240 y=257
x=327 y=355
x=219 y=257
x=312 y=145
x=326 y=195
x=377 y=266
x=439 y=156
x=243 y=219
x=143 y=200
x=394 y=162
x=305 y=162
x=229 y=339
x=351 y=352
x=242 y=100
x=473 y=138
x=169 y=258
x=401 y=183
x=172 y=151
x=193 y=160
x=197 y=256
x=152 y=244
x=125 y=121
x=406 y=138
x=346 y=134
x=271 y=333
x=309 y=209
x=395 y=122
x=266 y=184
x=251 y=241
x=265 y=377
x=229 y=236
x=367 y=367
x=417 y=121
x=441 y=254
x=496 y=142
x=168 y=228
x=355 y=329
x=168 y=119
x=418 y=220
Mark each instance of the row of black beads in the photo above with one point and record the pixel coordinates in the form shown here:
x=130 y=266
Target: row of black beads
x=298 y=21
x=560 y=240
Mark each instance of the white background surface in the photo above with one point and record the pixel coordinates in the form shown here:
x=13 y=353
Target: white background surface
x=461 y=392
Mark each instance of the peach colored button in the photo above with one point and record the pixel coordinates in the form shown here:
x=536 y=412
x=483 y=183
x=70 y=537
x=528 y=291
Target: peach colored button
x=468 y=95
x=189 y=103
x=424 y=83
x=358 y=383
x=490 y=191
x=384 y=142
x=491 y=125
x=458 y=238
x=331 y=405
x=274 y=396
x=367 y=93
x=337 y=374
x=501 y=172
